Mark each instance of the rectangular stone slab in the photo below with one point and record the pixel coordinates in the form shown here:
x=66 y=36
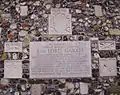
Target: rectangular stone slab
x=60 y=59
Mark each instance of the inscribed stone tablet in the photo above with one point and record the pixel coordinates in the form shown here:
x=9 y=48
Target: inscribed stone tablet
x=108 y=67
x=83 y=88
x=24 y=10
x=106 y=45
x=13 y=47
x=36 y=89
x=13 y=69
x=98 y=10
x=60 y=22
x=60 y=59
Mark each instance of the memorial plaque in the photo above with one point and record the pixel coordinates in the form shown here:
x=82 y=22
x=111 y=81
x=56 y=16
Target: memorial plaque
x=60 y=21
x=106 y=45
x=108 y=67
x=98 y=10
x=60 y=59
x=13 y=69
x=83 y=88
x=36 y=89
x=24 y=10
x=13 y=47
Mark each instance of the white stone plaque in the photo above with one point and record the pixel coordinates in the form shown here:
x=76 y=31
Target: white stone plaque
x=60 y=22
x=108 y=67
x=83 y=88
x=98 y=10
x=106 y=45
x=23 y=10
x=60 y=59
x=13 y=47
x=13 y=69
x=36 y=89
